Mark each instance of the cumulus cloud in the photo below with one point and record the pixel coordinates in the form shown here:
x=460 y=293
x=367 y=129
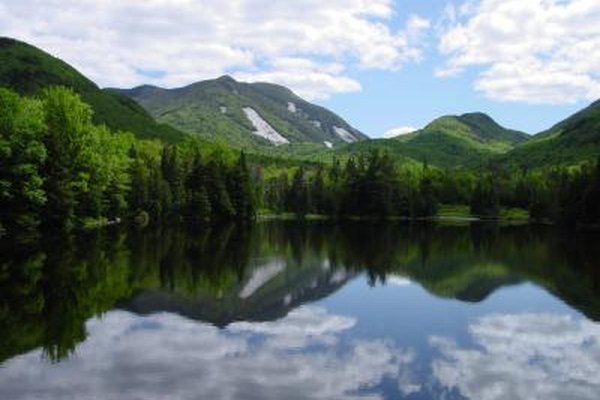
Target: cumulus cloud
x=397 y=280
x=306 y=44
x=537 y=51
x=302 y=327
x=398 y=131
x=527 y=356
x=311 y=80
x=166 y=356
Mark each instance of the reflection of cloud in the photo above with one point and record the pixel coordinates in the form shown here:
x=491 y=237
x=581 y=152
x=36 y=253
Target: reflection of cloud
x=300 y=328
x=397 y=280
x=166 y=356
x=529 y=356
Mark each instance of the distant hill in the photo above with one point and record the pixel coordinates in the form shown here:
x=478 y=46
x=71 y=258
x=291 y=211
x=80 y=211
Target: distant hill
x=244 y=114
x=27 y=70
x=571 y=141
x=450 y=141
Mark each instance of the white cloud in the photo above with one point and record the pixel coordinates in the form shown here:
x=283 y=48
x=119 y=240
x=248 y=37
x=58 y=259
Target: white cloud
x=397 y=280
x=537 y=51
x=166 y=356
x=302 y=327
x=113 y=41
x=527 y=356
x=310 y=80
x=398 y=131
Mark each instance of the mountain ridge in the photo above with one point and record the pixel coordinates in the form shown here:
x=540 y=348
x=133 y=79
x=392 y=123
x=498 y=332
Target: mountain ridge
x=233 y=111
x=573 y=140
x=449 y=141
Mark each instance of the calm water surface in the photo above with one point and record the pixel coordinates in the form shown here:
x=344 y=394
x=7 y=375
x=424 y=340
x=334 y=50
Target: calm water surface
x=290 y=311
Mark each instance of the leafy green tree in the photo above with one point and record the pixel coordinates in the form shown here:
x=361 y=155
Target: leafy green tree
x=22 y=157
x=68 y=122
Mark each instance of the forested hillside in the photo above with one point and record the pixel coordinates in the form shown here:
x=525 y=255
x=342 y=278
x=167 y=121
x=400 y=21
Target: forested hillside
x=569 y=142
x=449 y=141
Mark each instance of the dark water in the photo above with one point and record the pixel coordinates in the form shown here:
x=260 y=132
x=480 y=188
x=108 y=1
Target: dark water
x=289 y=311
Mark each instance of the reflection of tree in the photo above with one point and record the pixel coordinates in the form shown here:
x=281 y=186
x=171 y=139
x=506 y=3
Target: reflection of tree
x=47 y=295
x=48 y=291
x=469 y=263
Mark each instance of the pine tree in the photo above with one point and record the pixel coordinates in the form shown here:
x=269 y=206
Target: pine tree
x=299 y=201
x=320 y=198
x=173 y=175
x=217 y=191
x=241 y=191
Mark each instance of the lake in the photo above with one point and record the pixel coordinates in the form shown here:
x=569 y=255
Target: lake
x=283 y=310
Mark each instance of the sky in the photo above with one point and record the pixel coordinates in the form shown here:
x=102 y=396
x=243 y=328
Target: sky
x=386 y=66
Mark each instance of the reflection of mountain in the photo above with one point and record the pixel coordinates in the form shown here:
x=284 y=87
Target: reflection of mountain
x=268 y=292
x=471 y=263
x=262 y=273
x=563 y=264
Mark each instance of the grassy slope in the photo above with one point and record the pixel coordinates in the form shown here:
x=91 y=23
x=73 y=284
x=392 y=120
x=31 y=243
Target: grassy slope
x=27 y=70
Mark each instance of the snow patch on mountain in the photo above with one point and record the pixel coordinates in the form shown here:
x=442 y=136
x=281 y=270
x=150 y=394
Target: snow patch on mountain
x=329 y=145
x=338 y=276
x=316 y=123
x=292 y=107
x=263 y=129
x=261 y=276
x=344 y=134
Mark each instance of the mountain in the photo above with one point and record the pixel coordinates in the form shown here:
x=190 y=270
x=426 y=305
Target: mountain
x=450 y=141
x=27 y=70
x=571 y=141
x=244 y=114
x=267 y=294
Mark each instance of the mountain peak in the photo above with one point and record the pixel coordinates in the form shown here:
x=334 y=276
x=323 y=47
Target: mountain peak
x=226 y=79
x=478 y=116
x=6 y=41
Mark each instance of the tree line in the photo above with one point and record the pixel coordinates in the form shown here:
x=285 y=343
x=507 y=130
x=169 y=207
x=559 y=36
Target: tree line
x=375 y=185
x=59 y=170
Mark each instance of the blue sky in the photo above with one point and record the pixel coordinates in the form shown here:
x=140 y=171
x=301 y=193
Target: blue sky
x=413 y=96
x=380 y=64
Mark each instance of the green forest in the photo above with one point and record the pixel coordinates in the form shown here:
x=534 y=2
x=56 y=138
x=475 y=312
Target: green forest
x=59 y=170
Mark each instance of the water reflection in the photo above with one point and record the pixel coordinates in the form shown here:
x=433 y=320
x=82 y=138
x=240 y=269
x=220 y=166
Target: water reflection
x=165 y=356
x=526 y=356
x=230 y=313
